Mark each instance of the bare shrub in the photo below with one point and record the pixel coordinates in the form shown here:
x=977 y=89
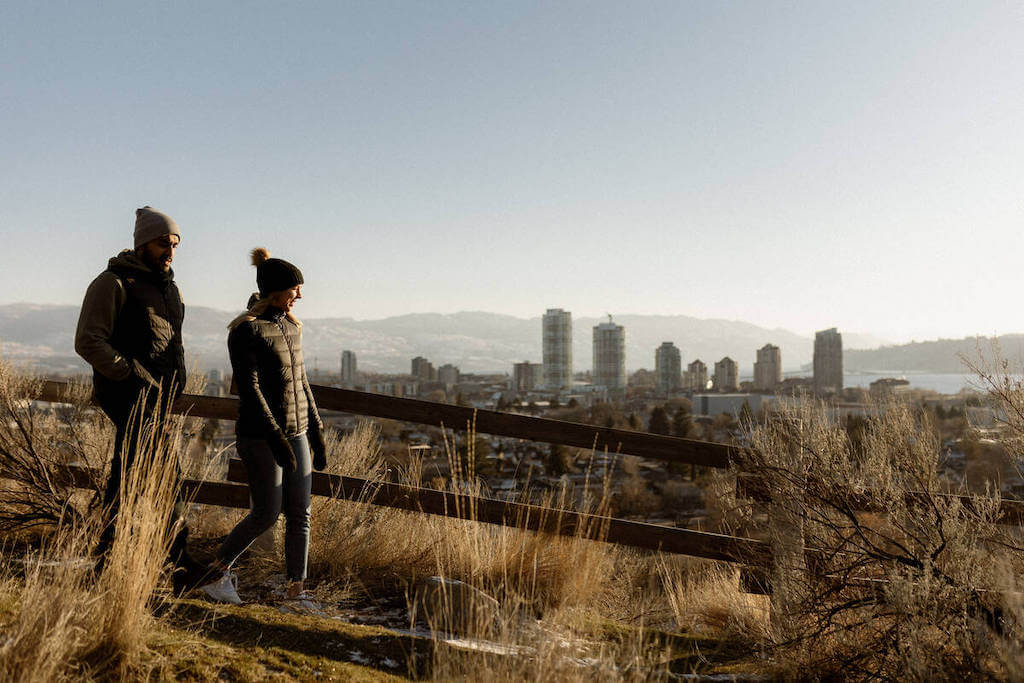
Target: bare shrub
x=635 y=497
x=914 y=589
x=1002 y=382
x=34 y=495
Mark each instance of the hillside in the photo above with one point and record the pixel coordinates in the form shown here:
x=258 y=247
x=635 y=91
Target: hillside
x=943 y=355
x=474 y=341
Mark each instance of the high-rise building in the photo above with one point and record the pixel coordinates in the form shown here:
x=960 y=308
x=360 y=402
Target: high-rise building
x=610 y=355
x=828 y=361
x=768 y=368
x=423 y=369
x=526 y=376
x=215 y=383
x=448 y=374
x=668 y=368
x=726 y=375
x=697 y=376
x=556 y=347
x=348 y=367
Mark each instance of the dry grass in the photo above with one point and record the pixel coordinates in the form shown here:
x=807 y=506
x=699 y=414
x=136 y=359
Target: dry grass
x=70 y=624
x=523 y=567
x=547 y=590
x=706 y=599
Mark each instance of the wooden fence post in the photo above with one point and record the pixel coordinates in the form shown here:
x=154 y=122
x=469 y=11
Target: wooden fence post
x=786 y=537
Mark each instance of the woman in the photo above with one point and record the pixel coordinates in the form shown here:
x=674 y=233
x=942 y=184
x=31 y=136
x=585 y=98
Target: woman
x=278 y=424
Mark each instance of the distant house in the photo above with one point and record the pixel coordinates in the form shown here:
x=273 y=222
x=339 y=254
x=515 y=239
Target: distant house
x=888 y=386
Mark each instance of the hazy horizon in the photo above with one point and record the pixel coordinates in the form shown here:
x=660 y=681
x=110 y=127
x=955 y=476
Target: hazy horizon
x=797 y=166
x=870 y=340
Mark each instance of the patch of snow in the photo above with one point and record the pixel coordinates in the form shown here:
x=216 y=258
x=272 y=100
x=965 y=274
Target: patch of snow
x=486 y=646
x=70 y=563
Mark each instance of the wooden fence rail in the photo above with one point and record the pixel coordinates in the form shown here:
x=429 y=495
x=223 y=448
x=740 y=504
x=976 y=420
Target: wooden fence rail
x=534 y=518
x=655 y=446
x=623 y=441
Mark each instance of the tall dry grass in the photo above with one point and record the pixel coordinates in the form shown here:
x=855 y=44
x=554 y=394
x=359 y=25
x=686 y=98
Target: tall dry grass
x=706 y=599
x=537 y=569
x=535 y=598
x=68 y=623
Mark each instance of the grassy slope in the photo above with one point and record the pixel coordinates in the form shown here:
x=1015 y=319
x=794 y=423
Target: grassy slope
x=198 y=640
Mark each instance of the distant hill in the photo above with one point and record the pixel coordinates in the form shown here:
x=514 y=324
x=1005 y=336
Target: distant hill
x=942 y=355
x=474 y=341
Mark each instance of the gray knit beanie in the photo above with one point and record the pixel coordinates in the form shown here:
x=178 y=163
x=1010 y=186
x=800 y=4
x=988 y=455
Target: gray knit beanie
x=151 y=224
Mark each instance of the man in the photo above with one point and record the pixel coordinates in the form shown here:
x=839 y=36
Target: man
x=129 y=331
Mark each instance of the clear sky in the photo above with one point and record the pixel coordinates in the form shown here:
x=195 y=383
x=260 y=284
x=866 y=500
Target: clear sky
x=793 y=164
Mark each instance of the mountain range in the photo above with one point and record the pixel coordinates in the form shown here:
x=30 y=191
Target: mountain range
x=480 y=342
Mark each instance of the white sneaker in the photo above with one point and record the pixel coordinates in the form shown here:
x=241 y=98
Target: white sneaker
x=224 y=589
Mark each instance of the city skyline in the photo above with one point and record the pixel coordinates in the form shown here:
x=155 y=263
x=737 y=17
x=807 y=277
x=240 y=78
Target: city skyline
x=859 y=164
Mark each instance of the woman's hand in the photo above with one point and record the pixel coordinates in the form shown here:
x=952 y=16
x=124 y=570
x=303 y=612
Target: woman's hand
x=318 y=447
x=282 y=450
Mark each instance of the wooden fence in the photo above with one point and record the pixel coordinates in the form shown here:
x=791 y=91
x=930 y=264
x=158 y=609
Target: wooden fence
x=473 y=508
x=754 y=556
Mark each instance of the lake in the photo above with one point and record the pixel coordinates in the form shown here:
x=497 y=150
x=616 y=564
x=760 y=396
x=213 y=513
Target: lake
x=944 y=383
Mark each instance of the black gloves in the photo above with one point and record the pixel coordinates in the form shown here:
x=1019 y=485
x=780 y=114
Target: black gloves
x=285 y=456
x=282 y=450
x=142 y=374
x=318 y=447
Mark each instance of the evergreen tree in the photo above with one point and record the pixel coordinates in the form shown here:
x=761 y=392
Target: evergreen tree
x=682 y=422
x=559 y=460
x=659 y=421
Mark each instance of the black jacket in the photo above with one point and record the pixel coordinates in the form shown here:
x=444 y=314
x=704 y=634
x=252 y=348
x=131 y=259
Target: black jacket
x=273 y=391
x=131 y=316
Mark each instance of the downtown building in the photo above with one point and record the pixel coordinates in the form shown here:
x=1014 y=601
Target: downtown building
x=423 y=370
x=610 y=356
x=556 y=348
x=527 y=376
x=726 y=376
x=696 y=376
x=668 y=369
x=828 y=362
x=448 y=375
x=768 y=368
x=348 y=368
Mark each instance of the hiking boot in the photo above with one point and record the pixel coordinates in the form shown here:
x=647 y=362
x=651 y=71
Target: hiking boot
x=192 y=576
x=224 y=589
